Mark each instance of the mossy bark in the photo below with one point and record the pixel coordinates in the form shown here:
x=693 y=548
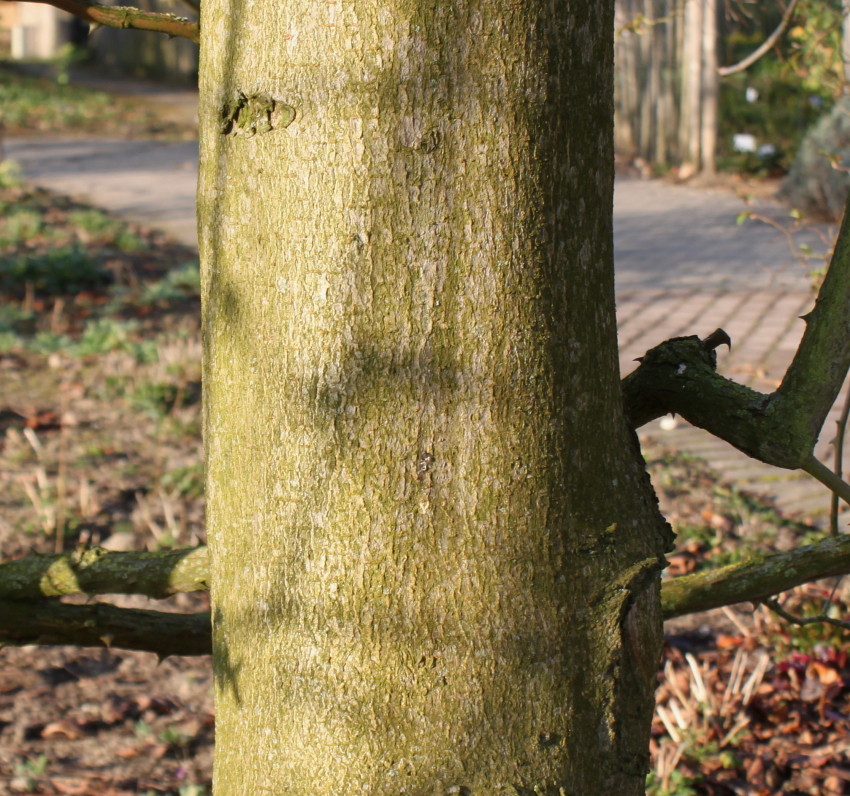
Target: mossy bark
x=434 y=548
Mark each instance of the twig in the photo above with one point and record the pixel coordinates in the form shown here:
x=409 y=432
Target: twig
x=97 y=571
x=828 y=478
x=743 y=64
x=774 y=606
x=838 y=463
x=103 y=625
x=754 y=579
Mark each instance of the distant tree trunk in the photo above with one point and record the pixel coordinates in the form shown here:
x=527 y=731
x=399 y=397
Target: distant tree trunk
x=845 y=39
x=691 y=124
x=709 y=90
x=434 y=548
x=626 y=89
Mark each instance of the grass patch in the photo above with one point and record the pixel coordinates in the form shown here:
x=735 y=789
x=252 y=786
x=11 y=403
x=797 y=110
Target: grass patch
x=31 y=104
x=66 y=269
x=74 y=279
x=99 y=342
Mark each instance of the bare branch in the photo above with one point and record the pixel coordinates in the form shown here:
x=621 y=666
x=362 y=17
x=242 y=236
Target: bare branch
x=679 y=377
x=128 y=17
x=97 y=571
x=747 y=62
x=755 y=579
x=828 y=478
x=838 y=461
x=817 y=372
x=774 y=606
x=103 y=625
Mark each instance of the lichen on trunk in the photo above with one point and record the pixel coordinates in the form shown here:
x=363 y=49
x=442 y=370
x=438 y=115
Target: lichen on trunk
x=434 y=548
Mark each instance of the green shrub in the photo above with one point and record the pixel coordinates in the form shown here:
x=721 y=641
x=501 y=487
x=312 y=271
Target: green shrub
x=179 y=283
x=818 y=181
x=68 y=269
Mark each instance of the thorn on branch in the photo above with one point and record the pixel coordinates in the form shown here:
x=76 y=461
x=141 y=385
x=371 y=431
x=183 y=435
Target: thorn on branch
x=717 y=338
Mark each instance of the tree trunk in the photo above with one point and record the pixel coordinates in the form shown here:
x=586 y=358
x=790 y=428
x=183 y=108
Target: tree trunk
x=435 y=552
x=627 y=90
x=710 y=89
x=845 y=39
x=689 y=130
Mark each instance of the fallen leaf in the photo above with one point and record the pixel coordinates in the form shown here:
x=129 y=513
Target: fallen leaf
x=62 y=729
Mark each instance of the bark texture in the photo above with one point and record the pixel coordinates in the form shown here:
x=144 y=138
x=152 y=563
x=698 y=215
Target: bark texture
x=434 y=549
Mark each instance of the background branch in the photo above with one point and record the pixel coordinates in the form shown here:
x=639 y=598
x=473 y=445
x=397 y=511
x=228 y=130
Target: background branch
x=128 y=17
x=781 y=429
x=103 y=625
x=48 y=621
x=816 y=374
x=747 y=62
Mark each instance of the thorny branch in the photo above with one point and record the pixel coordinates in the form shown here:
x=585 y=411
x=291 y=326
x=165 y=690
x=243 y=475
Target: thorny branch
x=781 y=428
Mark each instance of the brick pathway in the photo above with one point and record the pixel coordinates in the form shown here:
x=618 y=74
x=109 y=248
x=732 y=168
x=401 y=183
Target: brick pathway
x=683 y=265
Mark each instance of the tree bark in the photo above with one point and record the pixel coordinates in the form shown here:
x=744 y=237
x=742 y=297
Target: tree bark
x=434 y=548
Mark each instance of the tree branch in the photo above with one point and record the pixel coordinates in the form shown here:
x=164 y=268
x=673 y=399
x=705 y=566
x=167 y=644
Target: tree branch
x=128 y=17
x=828 y=478
x=781 y=429
x=97 y=571
x=48 y=621
x=816 y=374
x=745 y=63
x=679 y=377
x=755 y=579
x=100 y=624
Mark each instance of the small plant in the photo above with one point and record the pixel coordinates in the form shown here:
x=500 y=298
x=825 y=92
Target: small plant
x=142 y=730
x=156 y=399
x=15 y=319
x=29 y=770
x=9 y=341
x=179 y=283
x=45 y=342
x=20 y=227
x=192 y=790
x=186 y=481
x=175 y=736
x=10 y=174
x=32 y=103
x=91 y=220
x=676 y=784
x=92 y=223
x=103 y=335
